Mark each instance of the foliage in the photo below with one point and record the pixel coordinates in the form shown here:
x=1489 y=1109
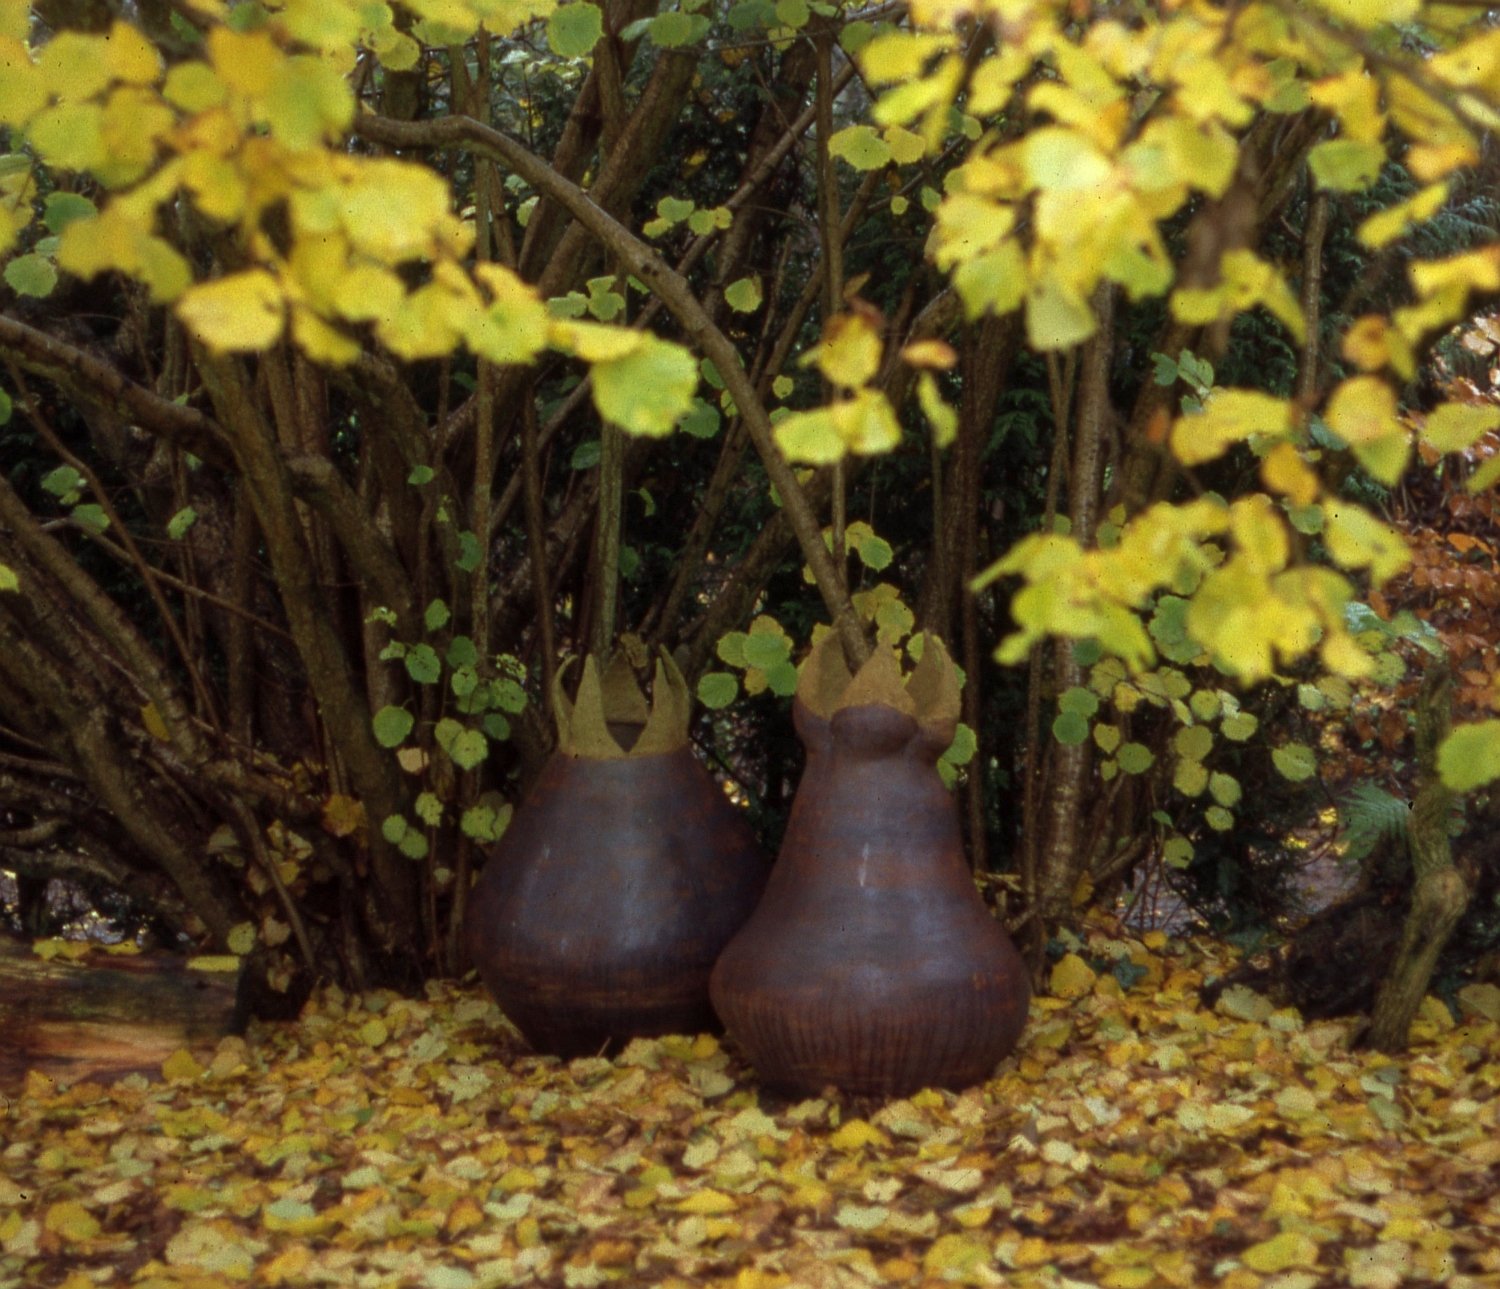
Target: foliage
x=1134 y=1139
x=352 y=341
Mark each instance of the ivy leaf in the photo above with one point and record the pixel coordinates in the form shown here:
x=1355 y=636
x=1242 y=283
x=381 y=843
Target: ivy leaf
x=701 y=420
x=1136 y=758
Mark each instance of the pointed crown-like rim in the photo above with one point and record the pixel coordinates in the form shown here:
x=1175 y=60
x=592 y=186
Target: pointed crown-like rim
x=930 y=695
x=615 y=698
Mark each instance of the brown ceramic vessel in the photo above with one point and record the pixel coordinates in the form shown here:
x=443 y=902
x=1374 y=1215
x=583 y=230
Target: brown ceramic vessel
x=599 y=914
x=871 y=962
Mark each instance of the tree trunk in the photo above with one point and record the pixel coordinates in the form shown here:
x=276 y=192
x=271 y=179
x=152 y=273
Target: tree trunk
x=1439 y=894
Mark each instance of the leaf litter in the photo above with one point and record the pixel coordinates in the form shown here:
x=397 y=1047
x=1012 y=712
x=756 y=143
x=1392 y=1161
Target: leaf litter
x=1135 y=1139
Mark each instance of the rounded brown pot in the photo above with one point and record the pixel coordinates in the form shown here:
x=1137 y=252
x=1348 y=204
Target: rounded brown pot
x=599 y=914
x=871 y=962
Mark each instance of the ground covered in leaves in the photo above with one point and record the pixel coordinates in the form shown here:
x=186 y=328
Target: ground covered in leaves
x=1134 y=1140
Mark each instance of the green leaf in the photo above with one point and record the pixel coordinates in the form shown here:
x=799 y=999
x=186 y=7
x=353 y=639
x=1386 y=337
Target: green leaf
x=1204 y=704
x=422 y=664
x=675 y=29
x=64 y=483
x=437 y=615
x=731 y=648
x=1239 y=727
x=1078 y=700
x=574 y=29
x=585 y=455
x=419 y=475
x=33 y=275
x=1346 y=165
x=91 y=517
x=961 y=750
x=1190 y=778
x=743 y=296
x=393 y=828
x=413 y=845
x=717 y=689
x=428 y=808
x=486 y=822
x=178 y=525
x=61 y=208
x=781 y=679
x=392 y=725
x=701 y=420
x=461 y=652
x=5 y=407
x=509 y=695
x=1107 y=737
x=8 y=579
x=464 y=681
x=1194 y=742
x=469 y=749
x=1177 y=852
x=1219 y=819
x=875 y=553
x=860 y=146
x=793 y=13
x=648 y=389
x=1470 y=756
x=764 y=649
x=1136 y=758
x=1224 y=788
x=1070 y=729
x=496 y=726
x=1295 y=761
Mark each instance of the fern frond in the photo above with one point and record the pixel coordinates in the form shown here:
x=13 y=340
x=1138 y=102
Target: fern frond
x=1370 y=815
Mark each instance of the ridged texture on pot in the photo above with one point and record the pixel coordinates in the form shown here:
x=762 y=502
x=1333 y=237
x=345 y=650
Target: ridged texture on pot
x=871 y=963
x=599 y=914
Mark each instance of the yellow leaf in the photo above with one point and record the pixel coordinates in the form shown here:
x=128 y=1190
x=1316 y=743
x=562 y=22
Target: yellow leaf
x=247 y=62
x=1284 y=471
x=958 y=1257
x=240 y=313
x=74 y=65
x=67 y=950
x=23 y=89
x=241 y=938
x=1356 y=539
x=129 y=56
x=1362 y=410
x=71 y=1221
x=70 y=135
x=856 y=1133
x=1229 y=416
x=1452 y=427
x=181 y=1065
x=849 y=353
x=593 y=341
x=1289 y=1249
x=1072 y=977
x=214 y=962
x=708 y=1203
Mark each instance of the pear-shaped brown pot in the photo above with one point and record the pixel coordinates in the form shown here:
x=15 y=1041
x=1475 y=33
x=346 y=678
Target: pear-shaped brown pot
x=599 y=914
x=871 y=962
